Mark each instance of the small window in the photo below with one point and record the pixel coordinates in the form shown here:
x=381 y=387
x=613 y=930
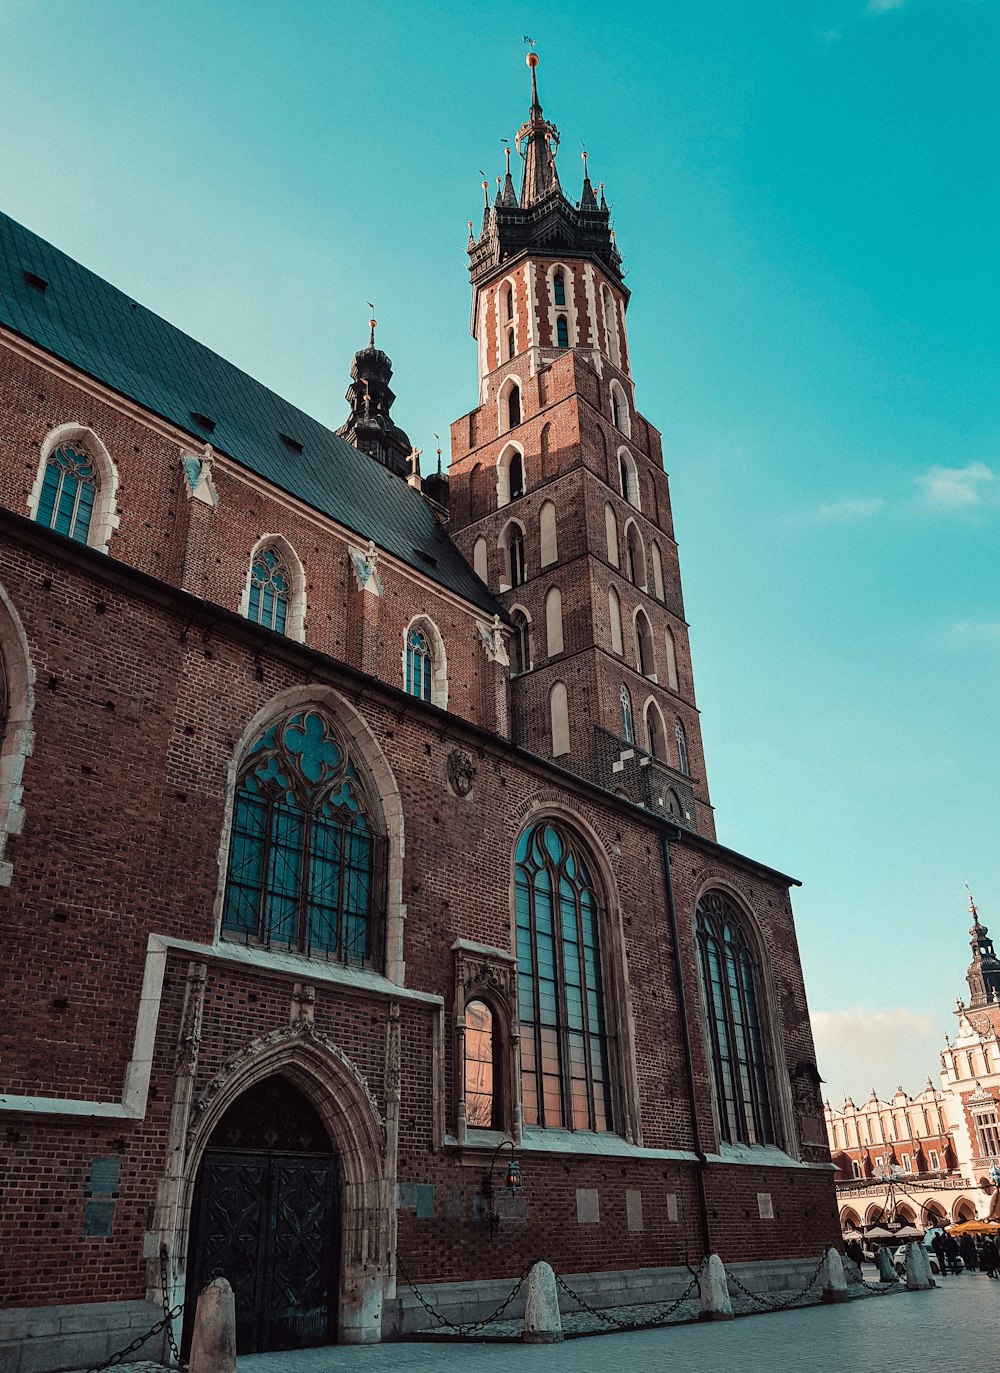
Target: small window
x=562 y=332
x=644 y=646
x=636 y=561
x=511 y=347
x=856 y=1168
x=616 y=418
x=935 y=1160
x=509 y=301
x=615 y=617
x=611 y=530
x=513 y=416
x=628 y=726
x=654 y=732
x=270 y=591
x=520 y=647
x=419 y=665
x=682 y=749
x=515 y=556
x=66 y=503
x=559 y=291
x=481 y=1077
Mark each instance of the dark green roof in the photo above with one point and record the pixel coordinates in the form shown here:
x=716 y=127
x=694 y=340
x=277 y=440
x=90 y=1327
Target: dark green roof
x=48 y=298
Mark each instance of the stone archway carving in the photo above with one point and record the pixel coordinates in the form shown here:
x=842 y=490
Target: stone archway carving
x=347 y=1106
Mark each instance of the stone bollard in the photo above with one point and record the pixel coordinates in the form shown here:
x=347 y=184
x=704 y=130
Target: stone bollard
x=834 y=1277
x=213 y=1344
x=542 y=1321
x=715 y=1300
x=886 y=1271
x=918 y=1269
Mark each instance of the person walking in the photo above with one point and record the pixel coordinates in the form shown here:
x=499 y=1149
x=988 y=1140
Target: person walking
x=952 y=1253
x=937 y=1244
x=967 y=1248
x=990 y=1258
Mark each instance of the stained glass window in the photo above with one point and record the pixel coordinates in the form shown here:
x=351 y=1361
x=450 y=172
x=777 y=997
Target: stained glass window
x=305 y=859
x=738 y=1047
x=270 y=591
x=69 y=491
x=564 y=1074
x=481 y=1079
x=419 y=664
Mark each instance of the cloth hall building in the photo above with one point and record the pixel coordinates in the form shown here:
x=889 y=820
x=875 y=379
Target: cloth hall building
x=355 y=823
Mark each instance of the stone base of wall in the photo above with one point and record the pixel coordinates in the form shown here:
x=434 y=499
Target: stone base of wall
x=468 y=1302
x=48 y=1339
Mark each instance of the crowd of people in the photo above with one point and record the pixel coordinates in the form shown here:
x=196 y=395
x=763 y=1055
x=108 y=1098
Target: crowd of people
x=977 y=1254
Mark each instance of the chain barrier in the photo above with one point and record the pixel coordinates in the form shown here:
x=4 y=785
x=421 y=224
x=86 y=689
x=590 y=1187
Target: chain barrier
x=660 y=1316
x=469 y=1328
x=166 y=1323
x=785 y=1303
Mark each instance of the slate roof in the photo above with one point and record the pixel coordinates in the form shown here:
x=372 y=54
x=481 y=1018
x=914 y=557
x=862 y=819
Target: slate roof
x=98 y=329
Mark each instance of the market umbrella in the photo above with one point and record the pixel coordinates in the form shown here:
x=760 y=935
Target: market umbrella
x=974 y=1227
x=879 y=1232
x=907 y=1233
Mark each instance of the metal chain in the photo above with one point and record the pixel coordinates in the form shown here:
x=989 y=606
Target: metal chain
x=472 y=1327
x=661 y=1315
x=170 y=1314
x=767 y=1303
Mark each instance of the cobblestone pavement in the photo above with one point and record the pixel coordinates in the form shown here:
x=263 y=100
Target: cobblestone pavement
x=948 y=1329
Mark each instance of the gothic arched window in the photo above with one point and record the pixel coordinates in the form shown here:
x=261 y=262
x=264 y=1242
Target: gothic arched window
x=68 y=494
x=520 y=650
x=645 y=661
x=482 y=1078
x=515 y=469
x=509 y=302
x=270 y=591
x=740 y=1062
x=654 y=732
x=306 y=855
x=682 y=749
x=564 y=1076
x=562 y=332
x=515 y=555
x=419 y=664
x=559 y=291
x=628 y=726
x=511 y=350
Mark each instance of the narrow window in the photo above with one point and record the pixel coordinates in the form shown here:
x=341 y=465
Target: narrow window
x=671 y=661
x=515 y=472
x=564 y=1058
x=562 y=332
x=513 y=411
x=419 y=665
x=682 y=749
x=515 y=556
x=616 y=419
x=559 y=290
x=480 y=560
x=481 y=1077
x=615 y=616
x=644 y=646
x=511 y=346
x=623 y=481
x=306 y=853
x=547 y=534
x=270 y=591
x=657 y=571
x=736 y=1034
x=654 y=732
x=553 y=621
x=611 y=530
x=520 y=652
x=628 y=725
x=66 y=503
x=509 y=299
x=636 y=566
x=559 y=718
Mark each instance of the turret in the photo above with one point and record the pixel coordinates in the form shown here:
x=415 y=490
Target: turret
x=370 y=426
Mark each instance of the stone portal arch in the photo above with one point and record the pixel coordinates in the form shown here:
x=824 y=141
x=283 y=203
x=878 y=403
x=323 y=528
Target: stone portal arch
x=340 y=1096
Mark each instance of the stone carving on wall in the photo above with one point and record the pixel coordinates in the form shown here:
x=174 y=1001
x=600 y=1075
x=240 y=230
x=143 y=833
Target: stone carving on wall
x=492 y=974
x=494 y=637
x=189 y=1037
x=198 y=475
x=366 y=569
x=461 y=772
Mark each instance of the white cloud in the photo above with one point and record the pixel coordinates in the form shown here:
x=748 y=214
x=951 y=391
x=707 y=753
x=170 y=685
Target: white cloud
x=956 y=488
x=985 y=631
x=848 y=509
x=860 y=1048
x=884 y=6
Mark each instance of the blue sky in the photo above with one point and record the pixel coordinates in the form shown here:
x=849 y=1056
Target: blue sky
x=805 y=193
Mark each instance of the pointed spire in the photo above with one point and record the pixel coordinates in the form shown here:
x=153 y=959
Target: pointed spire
x=604 y=203
x=588 y=201
x=537 y=141
x=508 y=196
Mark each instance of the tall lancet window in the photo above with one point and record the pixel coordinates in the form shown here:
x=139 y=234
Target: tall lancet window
x=738 y=1044
x=270 y=591
x=628 y=725
x=682 y=749
x=419 y=665
x=559 y=289
x=307 y=853
x=562 y=332
x=66 y=503
x=564 y=1074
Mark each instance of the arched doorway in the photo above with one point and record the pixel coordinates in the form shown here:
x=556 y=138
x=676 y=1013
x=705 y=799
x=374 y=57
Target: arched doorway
x=266 y=1215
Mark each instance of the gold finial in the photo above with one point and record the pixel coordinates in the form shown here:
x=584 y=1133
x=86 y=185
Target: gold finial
x=972 y=904
x=371 y=325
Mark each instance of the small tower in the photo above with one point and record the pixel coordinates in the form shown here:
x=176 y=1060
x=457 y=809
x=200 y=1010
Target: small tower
x=370 y=427
x=559 y=499
x=984 y=970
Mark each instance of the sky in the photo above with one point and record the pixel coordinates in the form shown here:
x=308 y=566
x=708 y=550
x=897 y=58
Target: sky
x=805 y=194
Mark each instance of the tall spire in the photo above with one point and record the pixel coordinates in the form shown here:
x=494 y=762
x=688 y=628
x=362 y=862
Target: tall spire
x=588 y=201
x=537 y=141
x=984 y=970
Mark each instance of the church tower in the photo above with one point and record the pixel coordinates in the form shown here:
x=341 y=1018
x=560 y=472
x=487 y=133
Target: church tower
x=559 y=499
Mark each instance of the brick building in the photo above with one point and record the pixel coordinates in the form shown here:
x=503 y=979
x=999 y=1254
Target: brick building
x=356 y=836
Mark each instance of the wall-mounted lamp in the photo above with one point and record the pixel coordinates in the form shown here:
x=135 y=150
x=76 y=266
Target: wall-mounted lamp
x=511 y=1182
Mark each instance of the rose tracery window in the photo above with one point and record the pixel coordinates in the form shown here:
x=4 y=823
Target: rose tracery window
x=306 y=855
x=737 y=1040
x=69 y=492
x=564 y=1074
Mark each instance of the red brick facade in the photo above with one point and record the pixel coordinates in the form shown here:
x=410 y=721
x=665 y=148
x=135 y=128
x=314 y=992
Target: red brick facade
x=131 y=1021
